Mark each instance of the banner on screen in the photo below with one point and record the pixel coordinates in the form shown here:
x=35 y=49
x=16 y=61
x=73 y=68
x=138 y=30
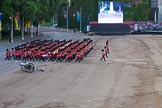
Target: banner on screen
x=110 y=12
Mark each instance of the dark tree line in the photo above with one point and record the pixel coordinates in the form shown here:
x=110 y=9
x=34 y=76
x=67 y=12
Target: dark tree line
x=36 y=10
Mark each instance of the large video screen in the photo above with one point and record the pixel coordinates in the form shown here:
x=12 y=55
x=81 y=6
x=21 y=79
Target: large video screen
x=110 y=12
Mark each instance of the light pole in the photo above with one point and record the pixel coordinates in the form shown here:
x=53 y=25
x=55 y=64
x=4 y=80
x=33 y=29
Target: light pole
x=67 y=14
x=11 y=29
x=32 y=27
x=22 y=31
x=80 y=19
x=81 y=15
x=0 y=24
x=53 y=21
x=67 y=19
x=38 y=26
x=74 y=22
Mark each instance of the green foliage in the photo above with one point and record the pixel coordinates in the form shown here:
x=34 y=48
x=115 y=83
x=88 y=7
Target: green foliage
x=46 y=24
x=6 y=34
x=25 y=8
x=45 y=9
x=140 y=12
x=29 y=9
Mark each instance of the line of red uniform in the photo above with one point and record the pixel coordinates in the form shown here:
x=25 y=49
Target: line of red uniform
x=51 y=50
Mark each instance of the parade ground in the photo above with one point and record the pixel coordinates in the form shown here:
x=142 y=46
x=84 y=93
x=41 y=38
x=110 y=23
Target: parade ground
x=131 y=76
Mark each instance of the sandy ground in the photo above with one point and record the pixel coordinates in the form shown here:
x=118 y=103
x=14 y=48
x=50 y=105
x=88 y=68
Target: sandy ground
x=131 y=77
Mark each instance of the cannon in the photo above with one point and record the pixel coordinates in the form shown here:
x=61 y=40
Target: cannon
x=27 y=67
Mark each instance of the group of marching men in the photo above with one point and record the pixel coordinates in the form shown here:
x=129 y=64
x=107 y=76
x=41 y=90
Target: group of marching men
x=105 y=51
x=51 y=50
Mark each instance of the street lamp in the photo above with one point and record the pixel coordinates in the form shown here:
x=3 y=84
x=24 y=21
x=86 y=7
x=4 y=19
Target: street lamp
x=80 y=19
x=11 y=29
x=67 y=19
x=0 y=24
x=81 y=15
x=31 y=27
x=74 y=22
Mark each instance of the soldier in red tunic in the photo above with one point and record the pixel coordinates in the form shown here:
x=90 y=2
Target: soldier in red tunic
x=8 y=54
x=103 y=55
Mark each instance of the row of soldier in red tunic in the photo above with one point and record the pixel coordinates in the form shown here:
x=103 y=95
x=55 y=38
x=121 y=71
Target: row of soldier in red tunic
x=105 y=51
x=51 y=50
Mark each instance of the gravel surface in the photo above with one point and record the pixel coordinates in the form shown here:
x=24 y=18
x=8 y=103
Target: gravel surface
x=131 y=77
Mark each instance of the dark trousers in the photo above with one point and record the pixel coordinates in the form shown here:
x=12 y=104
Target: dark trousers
x=103 y=57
